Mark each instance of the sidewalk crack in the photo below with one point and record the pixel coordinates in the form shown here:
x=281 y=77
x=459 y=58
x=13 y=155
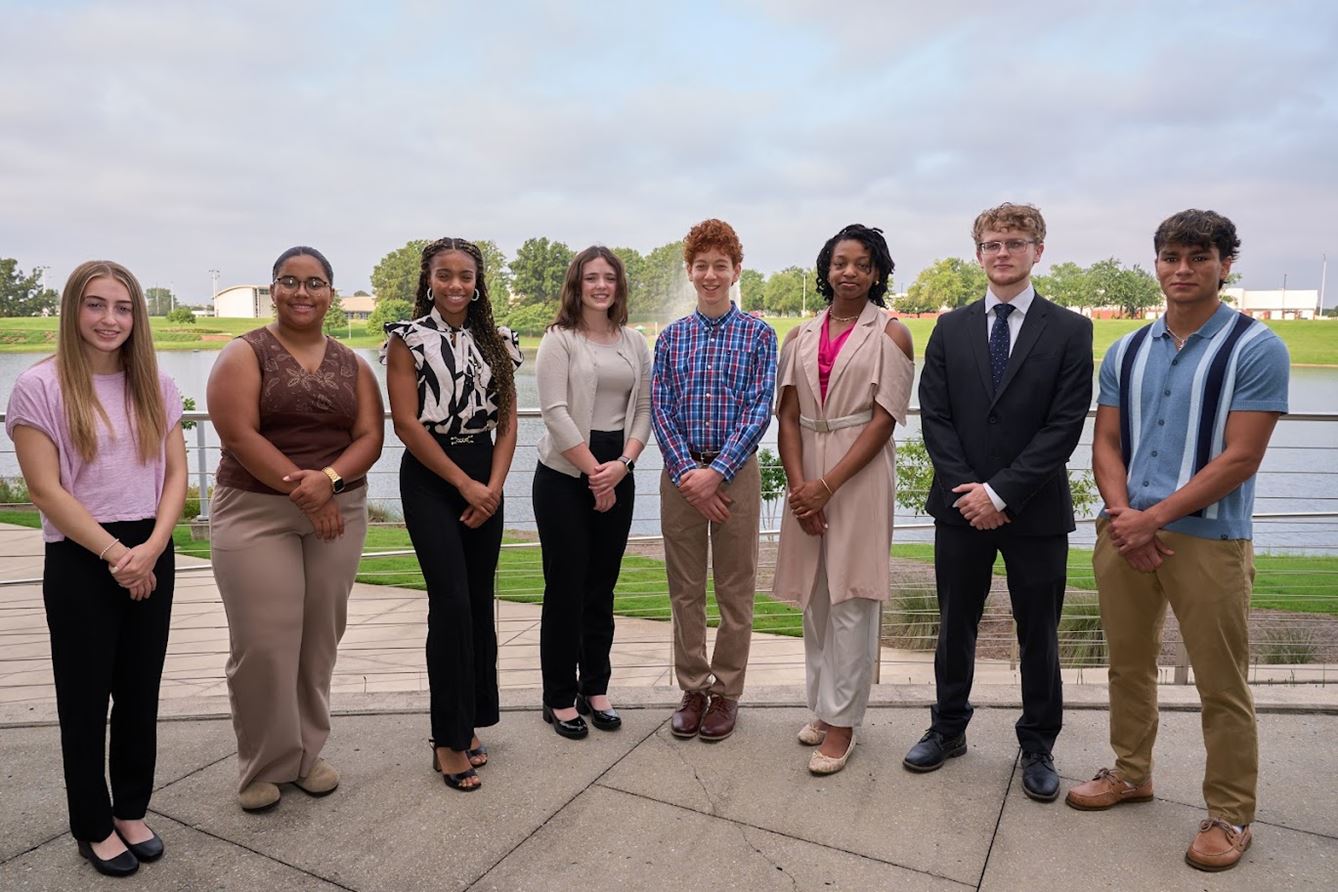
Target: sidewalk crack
x=743 y=831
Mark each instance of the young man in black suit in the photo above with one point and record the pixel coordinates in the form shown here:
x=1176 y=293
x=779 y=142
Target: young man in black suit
x=1005 y=390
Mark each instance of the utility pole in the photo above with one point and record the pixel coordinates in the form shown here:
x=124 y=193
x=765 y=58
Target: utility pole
x=1323 y=273
x=213 y=298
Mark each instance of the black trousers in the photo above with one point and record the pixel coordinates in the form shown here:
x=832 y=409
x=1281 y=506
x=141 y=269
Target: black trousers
x=458 y=566
x=1037 y=571
x=104 y=645
x=582 y=554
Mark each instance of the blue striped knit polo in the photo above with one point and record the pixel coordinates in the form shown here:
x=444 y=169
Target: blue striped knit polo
x=1174 y=406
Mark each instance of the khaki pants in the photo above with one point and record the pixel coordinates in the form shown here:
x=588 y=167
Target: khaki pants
x=733 y=547
x=286 y=596
x=1207 y=582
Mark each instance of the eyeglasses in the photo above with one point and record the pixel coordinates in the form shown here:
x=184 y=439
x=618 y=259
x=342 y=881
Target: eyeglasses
x=291 y=283
x=1012 y=246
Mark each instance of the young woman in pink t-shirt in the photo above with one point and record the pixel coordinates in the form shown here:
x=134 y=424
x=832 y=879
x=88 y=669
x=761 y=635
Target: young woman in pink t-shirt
x=97 y=430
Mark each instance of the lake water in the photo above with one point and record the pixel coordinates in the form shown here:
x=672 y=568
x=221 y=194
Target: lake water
x=1298 y=475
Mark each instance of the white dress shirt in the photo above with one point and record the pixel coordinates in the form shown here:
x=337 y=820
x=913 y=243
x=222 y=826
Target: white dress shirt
x=1021 y=303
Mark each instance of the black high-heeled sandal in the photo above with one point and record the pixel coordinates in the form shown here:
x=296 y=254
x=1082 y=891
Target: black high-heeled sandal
x=478 y=752
x=603 y=719
x=454 y=780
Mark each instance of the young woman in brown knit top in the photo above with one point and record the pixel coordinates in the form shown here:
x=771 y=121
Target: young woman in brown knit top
x=300 y=419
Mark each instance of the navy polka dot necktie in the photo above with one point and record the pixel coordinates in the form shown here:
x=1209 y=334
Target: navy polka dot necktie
x=999 y=342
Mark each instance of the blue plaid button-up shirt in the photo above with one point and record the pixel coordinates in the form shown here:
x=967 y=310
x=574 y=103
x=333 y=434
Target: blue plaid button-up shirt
x=711 y=390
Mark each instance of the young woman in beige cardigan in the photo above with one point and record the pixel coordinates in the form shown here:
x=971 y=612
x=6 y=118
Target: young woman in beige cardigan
x=594 y=391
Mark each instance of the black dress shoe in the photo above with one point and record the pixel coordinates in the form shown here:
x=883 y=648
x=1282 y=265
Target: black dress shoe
x=122 y=865
x=603 y=719
x=1039 y=779
x=933 y=750
x=150 y=849
x=573 y=729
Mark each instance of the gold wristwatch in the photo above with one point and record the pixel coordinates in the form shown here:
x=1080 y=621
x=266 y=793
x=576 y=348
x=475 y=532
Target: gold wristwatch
x=336 y=482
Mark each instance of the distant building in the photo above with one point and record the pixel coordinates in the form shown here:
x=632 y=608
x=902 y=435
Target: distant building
x=1289 y=303
x=243 y=302
x=357 y=307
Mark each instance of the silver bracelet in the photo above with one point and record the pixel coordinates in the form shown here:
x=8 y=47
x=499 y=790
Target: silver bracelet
x=104 y=551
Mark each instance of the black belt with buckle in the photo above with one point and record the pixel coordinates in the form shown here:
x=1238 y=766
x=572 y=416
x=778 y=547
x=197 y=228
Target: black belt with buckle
x=704 y=458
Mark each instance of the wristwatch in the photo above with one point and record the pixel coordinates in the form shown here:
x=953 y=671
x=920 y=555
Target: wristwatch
x=631 y=465
x=336 y=482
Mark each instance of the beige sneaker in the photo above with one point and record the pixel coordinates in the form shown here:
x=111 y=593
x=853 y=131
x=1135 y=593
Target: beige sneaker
x=258 y=796
x=1218 y=845
x=1105 y=790
x=321 y=780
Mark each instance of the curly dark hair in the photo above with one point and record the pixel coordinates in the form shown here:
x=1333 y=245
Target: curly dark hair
x=870 y=237
x=478 y=319
x=710 y=234
x=1194 y=229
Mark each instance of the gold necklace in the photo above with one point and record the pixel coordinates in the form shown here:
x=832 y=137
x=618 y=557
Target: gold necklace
x=835 y=318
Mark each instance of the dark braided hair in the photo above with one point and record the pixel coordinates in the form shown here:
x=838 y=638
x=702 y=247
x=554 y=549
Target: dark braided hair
x=478 y=319
x=871 y=238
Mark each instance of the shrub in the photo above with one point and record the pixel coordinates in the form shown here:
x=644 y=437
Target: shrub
x=13 y=493
x=181 y=316
x=388 y=310
x=533 y=319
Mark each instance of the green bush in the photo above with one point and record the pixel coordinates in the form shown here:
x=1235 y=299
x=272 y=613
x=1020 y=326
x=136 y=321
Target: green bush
x=13 y=492
x=389 y=310
x=182 y=316
x=533 y=319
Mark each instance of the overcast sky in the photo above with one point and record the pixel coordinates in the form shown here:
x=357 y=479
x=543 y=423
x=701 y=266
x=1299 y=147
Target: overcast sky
x=180 y=137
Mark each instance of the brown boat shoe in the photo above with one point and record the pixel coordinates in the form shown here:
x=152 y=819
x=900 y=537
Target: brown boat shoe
x=1105 y=790
x=688 y=719
x=1218 y=845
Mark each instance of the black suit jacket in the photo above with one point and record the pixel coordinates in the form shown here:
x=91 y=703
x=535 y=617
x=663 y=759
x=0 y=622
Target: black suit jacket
x=1019 y=439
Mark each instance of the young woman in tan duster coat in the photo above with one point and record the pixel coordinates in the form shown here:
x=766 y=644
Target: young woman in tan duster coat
x=844 y=379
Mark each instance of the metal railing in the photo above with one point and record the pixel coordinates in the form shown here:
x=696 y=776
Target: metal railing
x=1295 y=621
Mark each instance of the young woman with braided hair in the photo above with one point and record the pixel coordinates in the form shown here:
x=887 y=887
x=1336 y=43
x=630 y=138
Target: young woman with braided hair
x=450 y=378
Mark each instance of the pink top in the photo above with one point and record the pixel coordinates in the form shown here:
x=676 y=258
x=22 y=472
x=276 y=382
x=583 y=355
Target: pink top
x=114 y=485
x=827 y=352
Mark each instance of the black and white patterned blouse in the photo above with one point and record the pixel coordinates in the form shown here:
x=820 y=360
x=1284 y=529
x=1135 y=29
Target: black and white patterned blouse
x=455 y=387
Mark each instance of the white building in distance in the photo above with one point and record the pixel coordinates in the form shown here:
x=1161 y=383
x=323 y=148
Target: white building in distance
x=1289 y=303
x=243 y=302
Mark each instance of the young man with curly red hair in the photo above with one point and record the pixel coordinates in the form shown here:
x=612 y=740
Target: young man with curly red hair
x=715 y=372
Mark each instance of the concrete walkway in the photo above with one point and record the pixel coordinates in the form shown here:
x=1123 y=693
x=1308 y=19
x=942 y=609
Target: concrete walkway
x=638 y=809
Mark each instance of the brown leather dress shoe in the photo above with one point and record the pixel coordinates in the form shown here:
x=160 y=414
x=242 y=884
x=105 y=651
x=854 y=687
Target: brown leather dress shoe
x=688 y=720
x=719 y=720
x=1218 y=845
x=1105 y=790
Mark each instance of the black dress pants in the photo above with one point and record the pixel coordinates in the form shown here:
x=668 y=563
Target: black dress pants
x=1037 y=572
x=458 y=566
x=582 y=555
x=103 y=644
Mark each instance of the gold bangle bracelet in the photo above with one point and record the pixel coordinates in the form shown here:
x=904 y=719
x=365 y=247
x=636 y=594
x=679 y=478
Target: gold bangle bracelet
x=826 y=487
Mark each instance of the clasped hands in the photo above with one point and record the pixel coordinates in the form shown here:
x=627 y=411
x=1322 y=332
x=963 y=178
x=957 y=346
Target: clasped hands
x=606 y=477
x=1134 y=533
x=807 y=501
x=315 y=497
x=977 y=507
x=133 y=569
x=701 y=488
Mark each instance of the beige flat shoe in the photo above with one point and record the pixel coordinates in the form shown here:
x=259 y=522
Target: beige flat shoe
x=821 y=764
x=812 y=735
x=258 y=796
x=321 y=780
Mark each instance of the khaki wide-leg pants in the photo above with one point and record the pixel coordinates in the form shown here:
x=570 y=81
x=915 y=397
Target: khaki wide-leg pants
x=1207 y=582
x=286 y=595
x=734 y=568
x=840 y=650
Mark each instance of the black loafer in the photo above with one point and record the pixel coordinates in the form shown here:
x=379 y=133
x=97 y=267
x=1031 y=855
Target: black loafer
x=122 y=865
x=150 y=849
x=1040 y=781
x=933 y=750
x=603 y=719
x=575 y=729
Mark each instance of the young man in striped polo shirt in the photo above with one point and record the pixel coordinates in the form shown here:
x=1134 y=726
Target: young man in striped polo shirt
x=711 y=391
x=1186 y=409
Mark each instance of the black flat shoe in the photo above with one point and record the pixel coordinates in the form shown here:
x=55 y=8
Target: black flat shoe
x=150 y=850
x=573 y=729
x=1040 y=781
x=603 y=719
x=122 y=865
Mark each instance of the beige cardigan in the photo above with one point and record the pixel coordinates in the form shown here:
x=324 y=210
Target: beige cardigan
x=565 y=371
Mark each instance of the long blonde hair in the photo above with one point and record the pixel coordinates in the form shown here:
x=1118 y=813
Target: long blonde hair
x=143 y=393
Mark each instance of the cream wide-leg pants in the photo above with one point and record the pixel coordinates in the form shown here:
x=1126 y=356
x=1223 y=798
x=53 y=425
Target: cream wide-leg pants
x=840 y=649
